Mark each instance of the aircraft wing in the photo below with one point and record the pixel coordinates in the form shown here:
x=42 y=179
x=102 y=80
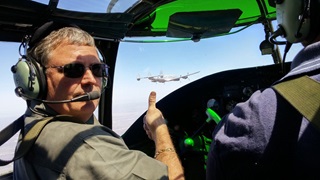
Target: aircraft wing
x=189 y=74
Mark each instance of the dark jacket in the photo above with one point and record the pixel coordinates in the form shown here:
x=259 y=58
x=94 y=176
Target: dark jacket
x=265 y=137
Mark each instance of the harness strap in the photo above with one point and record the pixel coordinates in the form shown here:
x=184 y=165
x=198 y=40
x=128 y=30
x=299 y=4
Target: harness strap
x=27 y=141
x=11 y=130
x=303 y=94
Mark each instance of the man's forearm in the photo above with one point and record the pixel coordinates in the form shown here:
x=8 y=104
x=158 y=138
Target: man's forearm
x=165 y=152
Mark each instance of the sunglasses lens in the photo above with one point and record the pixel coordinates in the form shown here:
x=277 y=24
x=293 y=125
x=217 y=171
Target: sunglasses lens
x=99 y=70
x=74 y=70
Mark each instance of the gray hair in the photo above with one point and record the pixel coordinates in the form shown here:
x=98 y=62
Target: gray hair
x=70 y=35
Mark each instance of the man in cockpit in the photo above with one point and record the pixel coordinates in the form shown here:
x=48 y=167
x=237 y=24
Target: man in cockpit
x=63 y=61
x=266 y=137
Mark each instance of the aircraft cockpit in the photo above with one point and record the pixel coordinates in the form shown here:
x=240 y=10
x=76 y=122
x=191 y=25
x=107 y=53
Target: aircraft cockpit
x=226 y=43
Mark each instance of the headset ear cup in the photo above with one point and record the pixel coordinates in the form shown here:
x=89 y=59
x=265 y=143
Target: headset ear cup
x=25 y=79
x=106 y=77
x=288 y=16
x=42 y=79
x=104 y=82
x=29 y=80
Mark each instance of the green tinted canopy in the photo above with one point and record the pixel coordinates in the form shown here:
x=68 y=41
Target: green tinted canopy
x=127 y=18
x=217 y=15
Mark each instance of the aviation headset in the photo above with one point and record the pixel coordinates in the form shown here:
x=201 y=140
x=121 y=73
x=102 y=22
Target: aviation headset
x=297 y=19
x=28 y=73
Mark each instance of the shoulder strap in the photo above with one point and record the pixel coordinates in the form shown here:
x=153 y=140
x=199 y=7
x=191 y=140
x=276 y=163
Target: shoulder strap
x=11 y=130
x=27 y=141
x=303 y=93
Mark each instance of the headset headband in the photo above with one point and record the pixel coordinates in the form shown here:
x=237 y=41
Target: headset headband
x=44 y=30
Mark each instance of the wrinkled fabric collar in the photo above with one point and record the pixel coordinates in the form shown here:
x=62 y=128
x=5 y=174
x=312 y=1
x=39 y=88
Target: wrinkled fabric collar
x=38 y=110
x=306 y=61
x=311 y=52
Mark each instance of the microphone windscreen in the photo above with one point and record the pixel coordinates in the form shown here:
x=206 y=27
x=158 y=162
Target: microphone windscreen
x=93 y=95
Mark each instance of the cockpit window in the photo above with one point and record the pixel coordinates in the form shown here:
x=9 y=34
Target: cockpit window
x=93 y=6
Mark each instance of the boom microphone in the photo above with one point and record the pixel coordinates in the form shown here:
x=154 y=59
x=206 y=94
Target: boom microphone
x=86 y=97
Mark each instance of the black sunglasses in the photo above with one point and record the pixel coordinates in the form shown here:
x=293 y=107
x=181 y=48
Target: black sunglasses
x=77 y=70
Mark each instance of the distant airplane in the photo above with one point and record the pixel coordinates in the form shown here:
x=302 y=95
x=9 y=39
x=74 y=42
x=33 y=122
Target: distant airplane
x=161 y=78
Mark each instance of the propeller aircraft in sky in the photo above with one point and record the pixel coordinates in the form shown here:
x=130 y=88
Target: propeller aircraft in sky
x=161 y=78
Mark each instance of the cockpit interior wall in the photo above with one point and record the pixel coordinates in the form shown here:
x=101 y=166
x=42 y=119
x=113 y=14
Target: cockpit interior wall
x=185 y=111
